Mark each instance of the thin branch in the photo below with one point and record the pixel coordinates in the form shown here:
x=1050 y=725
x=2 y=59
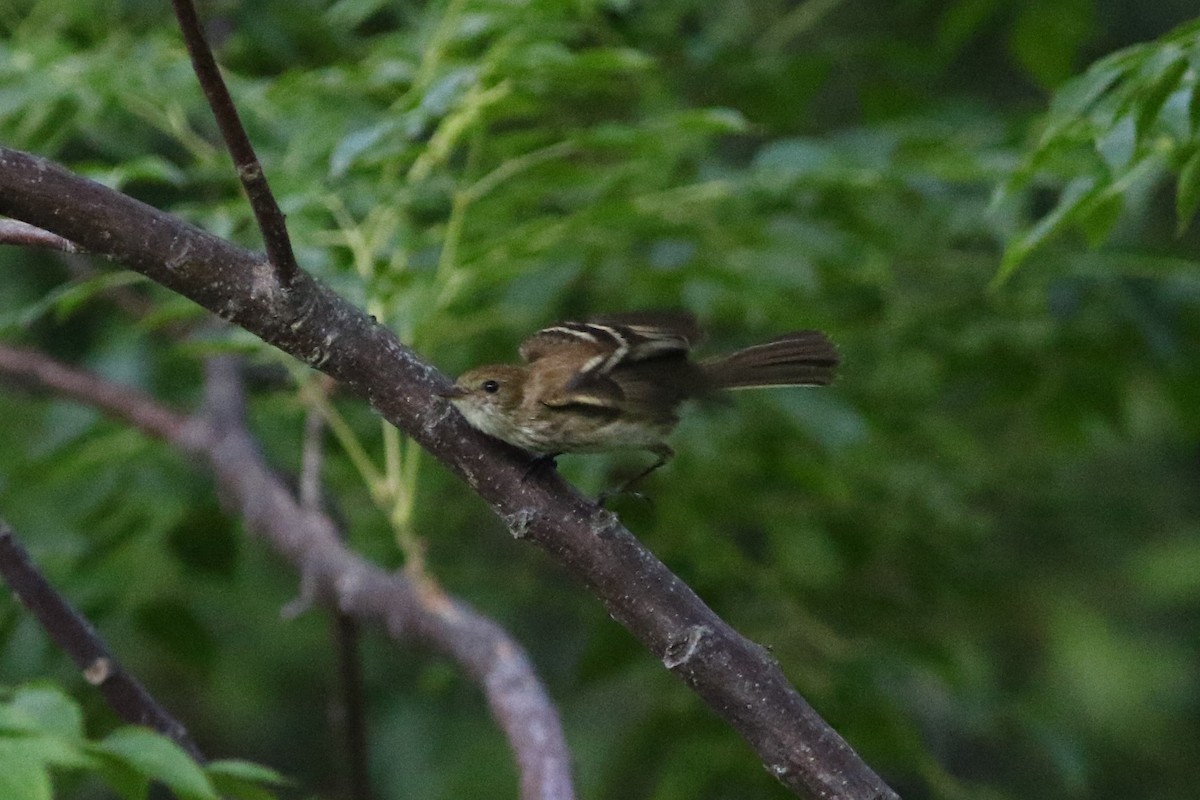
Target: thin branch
x=312 y=543
x=79 y=640
x=312 y=457
x=737 y=678
x=497 y=663
x=267 y=213
x=349 y=709
x=127 y=405
x=21 y=234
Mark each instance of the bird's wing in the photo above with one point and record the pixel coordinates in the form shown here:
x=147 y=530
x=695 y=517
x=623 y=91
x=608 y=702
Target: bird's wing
x=607 y=341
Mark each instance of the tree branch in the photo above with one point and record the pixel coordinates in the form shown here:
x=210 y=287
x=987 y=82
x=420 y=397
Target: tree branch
x=349 y=708
x=310 y=541
x=738 y=679
x=130 y=406
x=20 y=234
x=79 y=640
x=262 y=201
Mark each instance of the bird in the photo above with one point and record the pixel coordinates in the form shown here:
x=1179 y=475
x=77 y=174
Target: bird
x=616 y=382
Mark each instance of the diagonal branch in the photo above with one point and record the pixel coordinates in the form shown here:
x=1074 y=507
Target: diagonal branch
x=130 y=406
x=79 y=640
x=310 y=541
x=737 y=678
x=266 y=210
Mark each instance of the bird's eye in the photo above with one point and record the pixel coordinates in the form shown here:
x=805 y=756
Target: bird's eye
x=491 y=387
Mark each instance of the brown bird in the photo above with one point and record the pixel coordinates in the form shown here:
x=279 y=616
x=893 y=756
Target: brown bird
x=616 y=382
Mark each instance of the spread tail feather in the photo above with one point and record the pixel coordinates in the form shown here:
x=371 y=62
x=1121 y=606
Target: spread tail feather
x=802 y=358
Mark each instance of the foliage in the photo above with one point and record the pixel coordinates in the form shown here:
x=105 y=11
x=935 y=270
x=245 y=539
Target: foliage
x=976 y=555
x=1113 y=131
x=42 y=733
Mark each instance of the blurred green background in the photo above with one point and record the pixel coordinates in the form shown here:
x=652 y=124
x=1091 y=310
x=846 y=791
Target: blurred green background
x=978 y=555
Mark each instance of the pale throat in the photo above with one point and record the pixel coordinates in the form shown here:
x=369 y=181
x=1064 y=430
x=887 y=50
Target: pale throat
x=482 y=417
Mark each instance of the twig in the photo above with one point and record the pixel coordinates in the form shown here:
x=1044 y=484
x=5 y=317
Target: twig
x=312 y=458
x=311 y=542
x=349 y=711
x=737 y=678
x=21 y=234
x=79 y=640
x=267 y=213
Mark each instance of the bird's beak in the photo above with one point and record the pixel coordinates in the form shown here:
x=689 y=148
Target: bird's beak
x=451 y=393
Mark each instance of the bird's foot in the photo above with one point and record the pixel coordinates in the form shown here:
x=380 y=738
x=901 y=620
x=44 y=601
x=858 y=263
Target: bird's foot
x=538 y=463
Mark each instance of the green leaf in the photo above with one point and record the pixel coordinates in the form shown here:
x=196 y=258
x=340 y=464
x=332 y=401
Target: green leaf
x=160 y=759
x=1097 y=217
x=124 y=779
x=1076 y=96
x=244 y=779
x=66 y=299
x=22 y=777
x=613 y=59
x=229 y=787
x=14 y=722
x=349 y=13
x=1161 y=77
x=710 y=121
x=247 y=771
x=1118 y=144
x=53 y=711
x=1187 y=192
x=1074 y=196
x=1174 y=120
x=57 y=751
x=147 y=169
x=357 y=142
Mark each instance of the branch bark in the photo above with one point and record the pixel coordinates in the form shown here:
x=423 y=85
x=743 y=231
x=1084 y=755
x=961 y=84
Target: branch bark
x=738 y=679
x=267 y=213
x=310 y=541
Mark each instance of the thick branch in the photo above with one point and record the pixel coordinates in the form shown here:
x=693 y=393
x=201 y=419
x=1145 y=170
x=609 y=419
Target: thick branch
x=79 y=640
x=310 y=541
x=736 y=677
x=262 y=201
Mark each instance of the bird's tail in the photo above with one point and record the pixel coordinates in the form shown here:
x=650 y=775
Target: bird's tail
x=802 y=358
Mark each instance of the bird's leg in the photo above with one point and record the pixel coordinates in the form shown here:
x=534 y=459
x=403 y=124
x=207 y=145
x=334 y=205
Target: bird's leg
x=664 y=454
x=544 y=461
